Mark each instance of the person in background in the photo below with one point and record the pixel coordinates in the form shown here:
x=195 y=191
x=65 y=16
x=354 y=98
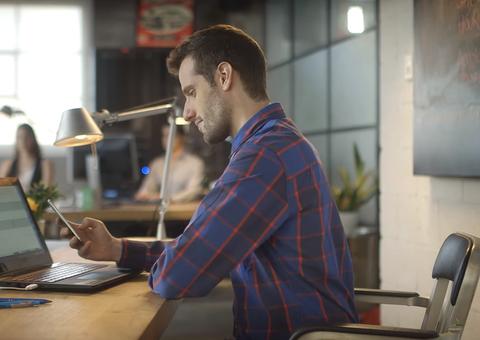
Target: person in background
x=270 y=220
x=186 y=172
x=28 y=164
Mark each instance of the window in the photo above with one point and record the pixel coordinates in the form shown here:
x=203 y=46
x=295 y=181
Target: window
x=322 y=57
x=42 y=58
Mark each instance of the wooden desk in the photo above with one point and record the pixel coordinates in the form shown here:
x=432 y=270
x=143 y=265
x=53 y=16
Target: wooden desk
x=126 y=311
x=132 y=212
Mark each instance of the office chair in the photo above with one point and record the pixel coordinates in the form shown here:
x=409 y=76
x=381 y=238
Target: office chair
x=458 y=263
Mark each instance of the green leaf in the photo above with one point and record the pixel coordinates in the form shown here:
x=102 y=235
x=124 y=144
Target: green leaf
x=353 y=193
x=359 y=163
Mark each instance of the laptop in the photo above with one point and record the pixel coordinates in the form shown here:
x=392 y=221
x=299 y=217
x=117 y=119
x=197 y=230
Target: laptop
x=25 y=258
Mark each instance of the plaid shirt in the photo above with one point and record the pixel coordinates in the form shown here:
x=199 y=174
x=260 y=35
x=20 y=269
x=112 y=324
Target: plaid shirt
x=271 y=223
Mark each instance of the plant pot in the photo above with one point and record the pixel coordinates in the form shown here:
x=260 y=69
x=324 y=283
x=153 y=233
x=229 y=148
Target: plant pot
x=350 y=221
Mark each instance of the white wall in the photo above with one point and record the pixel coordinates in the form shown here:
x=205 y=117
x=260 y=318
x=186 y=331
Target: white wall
x=416 y=212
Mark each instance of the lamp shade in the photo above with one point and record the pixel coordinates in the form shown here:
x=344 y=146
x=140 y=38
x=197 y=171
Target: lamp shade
x=77 y=127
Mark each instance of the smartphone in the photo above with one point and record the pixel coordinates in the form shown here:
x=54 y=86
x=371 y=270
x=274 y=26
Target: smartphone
x=64 y=220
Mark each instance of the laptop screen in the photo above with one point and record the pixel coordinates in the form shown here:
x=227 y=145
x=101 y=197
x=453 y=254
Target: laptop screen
x=21 y=245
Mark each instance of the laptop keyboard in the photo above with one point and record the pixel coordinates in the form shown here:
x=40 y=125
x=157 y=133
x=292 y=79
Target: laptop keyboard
x=59 y=272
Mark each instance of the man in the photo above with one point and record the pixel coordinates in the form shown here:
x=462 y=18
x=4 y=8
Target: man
x=186 y=169
x=269 y=221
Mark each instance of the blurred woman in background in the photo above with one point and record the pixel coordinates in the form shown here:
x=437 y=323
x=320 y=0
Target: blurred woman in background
x=27 y=164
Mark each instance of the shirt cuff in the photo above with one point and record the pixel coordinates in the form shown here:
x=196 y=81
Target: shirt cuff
x=133 y=255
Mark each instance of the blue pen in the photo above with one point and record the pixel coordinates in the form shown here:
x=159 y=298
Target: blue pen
x=20 y=302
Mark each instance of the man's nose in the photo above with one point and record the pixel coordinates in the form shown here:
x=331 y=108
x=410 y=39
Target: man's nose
x=188 y=114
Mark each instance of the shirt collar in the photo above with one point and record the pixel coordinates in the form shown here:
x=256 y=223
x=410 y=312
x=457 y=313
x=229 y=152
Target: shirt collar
x=267 y=113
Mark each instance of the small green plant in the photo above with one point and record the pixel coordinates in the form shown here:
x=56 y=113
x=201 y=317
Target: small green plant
x=353 y=193
x=37 y=198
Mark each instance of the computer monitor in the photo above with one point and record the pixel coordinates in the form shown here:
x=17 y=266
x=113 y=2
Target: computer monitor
x=118 y=165
x=77 y=163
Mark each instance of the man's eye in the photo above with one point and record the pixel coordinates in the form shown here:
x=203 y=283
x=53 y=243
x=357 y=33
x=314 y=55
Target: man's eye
x=191 y=93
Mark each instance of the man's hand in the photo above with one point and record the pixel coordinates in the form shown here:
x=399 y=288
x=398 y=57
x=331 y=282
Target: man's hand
x=98 y=244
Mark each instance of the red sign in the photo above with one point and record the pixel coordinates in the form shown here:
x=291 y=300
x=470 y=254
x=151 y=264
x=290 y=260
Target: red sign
x=164 y=23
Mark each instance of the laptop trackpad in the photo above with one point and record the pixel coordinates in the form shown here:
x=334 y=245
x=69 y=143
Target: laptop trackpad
x=96 y=276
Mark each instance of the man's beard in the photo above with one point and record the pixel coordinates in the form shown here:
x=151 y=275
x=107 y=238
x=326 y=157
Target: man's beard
x=217 y=121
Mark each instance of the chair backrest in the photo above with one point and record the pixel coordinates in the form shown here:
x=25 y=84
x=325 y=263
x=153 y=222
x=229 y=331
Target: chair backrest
x=457 y=268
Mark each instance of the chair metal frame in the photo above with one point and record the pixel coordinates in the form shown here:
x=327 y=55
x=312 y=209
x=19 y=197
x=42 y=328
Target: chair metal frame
x=456 y=273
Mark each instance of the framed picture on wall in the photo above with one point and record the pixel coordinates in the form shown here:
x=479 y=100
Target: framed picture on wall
x=447 y=88
x=164 y=23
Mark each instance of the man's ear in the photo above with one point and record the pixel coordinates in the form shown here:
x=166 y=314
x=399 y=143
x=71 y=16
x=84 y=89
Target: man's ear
x=225 y=75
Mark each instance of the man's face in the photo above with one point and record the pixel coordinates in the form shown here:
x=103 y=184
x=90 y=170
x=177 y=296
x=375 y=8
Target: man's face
x=204 y=105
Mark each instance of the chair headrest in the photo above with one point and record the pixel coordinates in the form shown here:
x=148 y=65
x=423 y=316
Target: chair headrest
x=452 y=260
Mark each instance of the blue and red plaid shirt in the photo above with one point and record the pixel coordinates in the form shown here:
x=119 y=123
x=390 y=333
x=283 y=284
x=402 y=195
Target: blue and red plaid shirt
x=271 y=223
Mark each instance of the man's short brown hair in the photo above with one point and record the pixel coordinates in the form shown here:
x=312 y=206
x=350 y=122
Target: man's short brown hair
x=223 y=43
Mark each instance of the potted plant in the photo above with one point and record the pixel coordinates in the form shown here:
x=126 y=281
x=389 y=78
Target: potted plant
x=354 y=191
x=37 y=198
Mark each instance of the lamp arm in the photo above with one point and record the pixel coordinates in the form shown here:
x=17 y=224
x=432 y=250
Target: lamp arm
x=164 y=199
x=161 y=107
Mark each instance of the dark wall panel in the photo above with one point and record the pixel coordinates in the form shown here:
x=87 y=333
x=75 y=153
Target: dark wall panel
x=114 y=23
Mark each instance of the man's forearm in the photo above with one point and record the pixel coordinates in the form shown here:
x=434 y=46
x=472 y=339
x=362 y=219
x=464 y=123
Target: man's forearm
x=117 y=246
